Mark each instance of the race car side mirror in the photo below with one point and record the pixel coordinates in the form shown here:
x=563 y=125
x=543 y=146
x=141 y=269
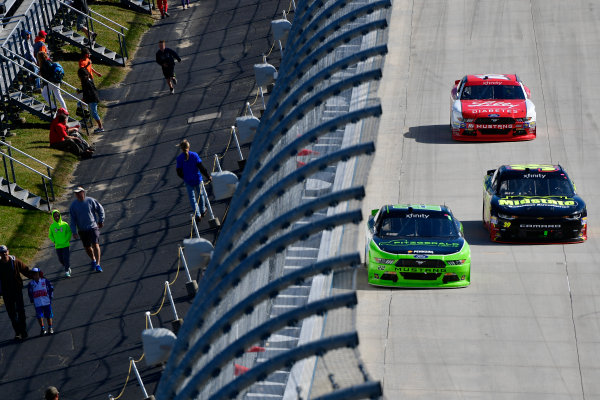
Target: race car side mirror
x=461 y=228
x=456 y=82
x=374 y=212
x=491 y=171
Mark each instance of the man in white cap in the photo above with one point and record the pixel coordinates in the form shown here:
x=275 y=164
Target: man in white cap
x=87 y=218
x=11 y=285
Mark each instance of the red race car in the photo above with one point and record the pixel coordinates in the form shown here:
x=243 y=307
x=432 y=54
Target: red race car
x=491 y=108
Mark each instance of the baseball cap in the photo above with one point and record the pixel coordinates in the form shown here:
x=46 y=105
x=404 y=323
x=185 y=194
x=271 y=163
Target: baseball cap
x=62 y=111
x=3 y=249
x=42 y=33
x=25 y=33
x=36 y=269
x=78 y=189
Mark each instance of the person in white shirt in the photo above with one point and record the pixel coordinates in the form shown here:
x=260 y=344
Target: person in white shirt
x=41 y=293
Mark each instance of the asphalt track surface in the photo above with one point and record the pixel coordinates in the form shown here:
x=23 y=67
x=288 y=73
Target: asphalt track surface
x=528 y=326
x=99 y=317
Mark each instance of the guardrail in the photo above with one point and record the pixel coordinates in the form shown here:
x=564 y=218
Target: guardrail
x=45 y=177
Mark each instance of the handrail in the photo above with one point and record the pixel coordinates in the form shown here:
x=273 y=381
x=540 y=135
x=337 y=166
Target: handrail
x=93 y=19
x=106 y=18
x=42 y=78
x=25 y=154
x=26 y=166
x=17 y=22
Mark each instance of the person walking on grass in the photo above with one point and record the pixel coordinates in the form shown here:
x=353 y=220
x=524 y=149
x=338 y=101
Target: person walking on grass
x=166 y=57
x=189 y=167
x=41 y=293
x=87 y=218
x=60 y=234
x=11 y=286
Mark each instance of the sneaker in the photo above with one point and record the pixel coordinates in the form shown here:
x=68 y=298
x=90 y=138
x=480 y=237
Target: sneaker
x=51 y=331
x=167 y=14
x=162 y=16
x=43 y=332
x=174 y=81
x=172 y=90
x=18 y=336
x=98 y=268
x=68 y=273
x=98 y=130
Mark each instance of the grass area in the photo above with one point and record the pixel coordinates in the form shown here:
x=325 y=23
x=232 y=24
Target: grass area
x=23 y=231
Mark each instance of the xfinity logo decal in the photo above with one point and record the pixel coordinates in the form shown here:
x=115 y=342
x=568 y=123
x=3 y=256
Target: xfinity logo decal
x=417 y=216
x=534 y=176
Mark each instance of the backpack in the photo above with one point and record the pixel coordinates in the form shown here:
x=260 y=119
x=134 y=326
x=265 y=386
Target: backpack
x=57 y=73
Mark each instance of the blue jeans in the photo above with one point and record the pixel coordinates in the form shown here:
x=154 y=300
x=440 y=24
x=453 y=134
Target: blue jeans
x=192 y=190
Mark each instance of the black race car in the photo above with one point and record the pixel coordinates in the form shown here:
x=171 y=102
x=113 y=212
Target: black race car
x=533 y=203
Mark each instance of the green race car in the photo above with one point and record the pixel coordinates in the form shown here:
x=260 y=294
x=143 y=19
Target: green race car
x=416 y=245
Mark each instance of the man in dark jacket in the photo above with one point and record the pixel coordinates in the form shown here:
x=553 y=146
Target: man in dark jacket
x=166 y=57
x=11 y=284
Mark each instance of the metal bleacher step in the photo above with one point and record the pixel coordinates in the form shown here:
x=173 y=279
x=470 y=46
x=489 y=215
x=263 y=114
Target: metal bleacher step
x=31 y=105
x=105 y=55
x=21 y=197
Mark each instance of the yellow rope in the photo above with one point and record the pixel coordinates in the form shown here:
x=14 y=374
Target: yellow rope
x=255 y=99
x=141 y=358
x=228 y=144
x=126 y=381
x=162 y=302
x=290 y=7
x=270 y=51
x=178 y=266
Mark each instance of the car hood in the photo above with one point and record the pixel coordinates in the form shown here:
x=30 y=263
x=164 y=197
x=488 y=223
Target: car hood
x=415 y=246
x=494 y=108
x=539 y=206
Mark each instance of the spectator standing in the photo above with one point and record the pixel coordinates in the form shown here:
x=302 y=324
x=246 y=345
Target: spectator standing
x=28 y=54
x=51 y=393
x=60 y=234
x=90 y=96
x=185 y=4
x=11 y=285
x=82 y=16
x=86 y=62
x=163 y=6
x=87 y=218
x=166 y=57
x=53 y=73
x=39 y=45
x=73 y=143
x=190 y=168
x=41 y=293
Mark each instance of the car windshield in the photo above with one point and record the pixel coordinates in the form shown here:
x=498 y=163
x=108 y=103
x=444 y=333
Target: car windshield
x=492 y=92
x=434 y=225
x=547 y=186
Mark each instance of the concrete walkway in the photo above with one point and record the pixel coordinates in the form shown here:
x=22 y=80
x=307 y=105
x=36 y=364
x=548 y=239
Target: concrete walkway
x=99 y=317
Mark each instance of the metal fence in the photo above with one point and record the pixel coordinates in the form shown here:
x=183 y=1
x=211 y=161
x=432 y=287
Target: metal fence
x=274 y=315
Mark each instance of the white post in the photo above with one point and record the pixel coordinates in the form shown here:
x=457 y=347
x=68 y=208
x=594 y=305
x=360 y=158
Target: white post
x=205 y=195
x=185 y=267
x=212 y=222
x=237 y=143
x=171 y=300
x=249 y=108
x=218 y=163
x=149 y=319
x=194 y=223
x=262 y=97
x=139 y=378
